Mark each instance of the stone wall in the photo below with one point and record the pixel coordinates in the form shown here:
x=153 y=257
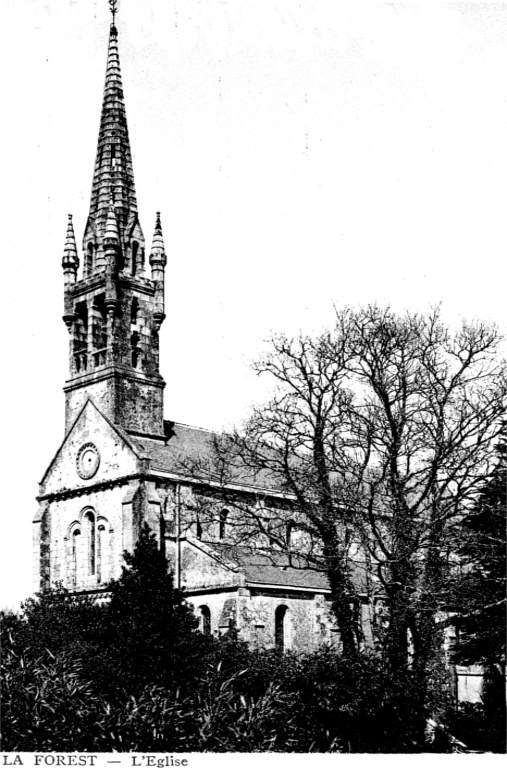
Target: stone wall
x=72 y=530
x=116 y=458
x=307 y=623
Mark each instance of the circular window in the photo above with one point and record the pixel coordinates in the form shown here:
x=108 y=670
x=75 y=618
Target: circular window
x=88 y=461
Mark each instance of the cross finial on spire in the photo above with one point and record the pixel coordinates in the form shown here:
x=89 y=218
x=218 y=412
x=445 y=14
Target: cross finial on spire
x=113 y=4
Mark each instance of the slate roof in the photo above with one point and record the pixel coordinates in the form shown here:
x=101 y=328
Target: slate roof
x=189 y=451
x=275 y=569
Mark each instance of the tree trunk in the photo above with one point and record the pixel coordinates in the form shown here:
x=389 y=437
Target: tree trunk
x=342 y=595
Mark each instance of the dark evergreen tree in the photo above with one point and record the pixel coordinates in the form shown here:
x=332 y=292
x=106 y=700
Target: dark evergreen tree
x=481 y=594
x=482 y=587
x=151 y=635
x=57 y=620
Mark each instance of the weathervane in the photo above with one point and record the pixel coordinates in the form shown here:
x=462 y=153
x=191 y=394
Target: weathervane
x=113 y=5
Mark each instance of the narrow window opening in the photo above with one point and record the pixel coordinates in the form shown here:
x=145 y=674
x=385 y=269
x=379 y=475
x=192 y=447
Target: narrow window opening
x=134 y=311
x=205 y=620
x=89 y=259
x=280 y=628
x=90 y=524
x=75 y=536
x=135 y=249
x=222 y=525
x=100 y=551
x=99 y=330
x=80 y=342
x=136 y=350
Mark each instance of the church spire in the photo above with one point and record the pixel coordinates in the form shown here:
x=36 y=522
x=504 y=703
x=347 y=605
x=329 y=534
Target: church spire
x=113 y=176
x=114 y=311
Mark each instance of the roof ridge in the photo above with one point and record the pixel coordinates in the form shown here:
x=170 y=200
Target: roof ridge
x=197 y=427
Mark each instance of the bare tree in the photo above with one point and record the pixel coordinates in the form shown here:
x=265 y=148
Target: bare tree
x=423 y=424
x=381 y=433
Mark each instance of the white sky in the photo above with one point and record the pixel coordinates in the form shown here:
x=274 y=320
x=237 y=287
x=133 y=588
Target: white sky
x=301 y=153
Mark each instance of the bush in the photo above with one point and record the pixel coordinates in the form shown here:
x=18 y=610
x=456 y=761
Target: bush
x=134 y=674
x=322 y=702
x=46 y=704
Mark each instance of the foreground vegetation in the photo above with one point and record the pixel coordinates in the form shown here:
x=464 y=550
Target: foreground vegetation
x=134 y=674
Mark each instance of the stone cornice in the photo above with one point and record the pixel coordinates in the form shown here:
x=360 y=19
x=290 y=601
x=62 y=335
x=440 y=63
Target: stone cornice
x=153 y=476
x=88 y=284
x=195 y=481
x=97 y=280
x=213 y=589
x=142 y=285
x=288 y=588
x=110 y=372
x=99 y=486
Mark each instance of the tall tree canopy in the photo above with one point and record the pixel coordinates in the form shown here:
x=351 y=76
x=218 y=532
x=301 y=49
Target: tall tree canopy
x=382 y=432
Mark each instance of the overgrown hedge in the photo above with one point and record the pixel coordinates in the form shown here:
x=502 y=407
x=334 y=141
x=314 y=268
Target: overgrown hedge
x=134 y=674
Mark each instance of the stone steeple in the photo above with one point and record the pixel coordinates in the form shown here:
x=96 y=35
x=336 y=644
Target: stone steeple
x=113 y=177
x=113 y=310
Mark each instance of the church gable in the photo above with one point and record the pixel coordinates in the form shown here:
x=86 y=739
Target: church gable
x=203 y=569
x=93 y=451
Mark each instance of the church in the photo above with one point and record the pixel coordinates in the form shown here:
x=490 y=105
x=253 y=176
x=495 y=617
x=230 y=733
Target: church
x=121 y=464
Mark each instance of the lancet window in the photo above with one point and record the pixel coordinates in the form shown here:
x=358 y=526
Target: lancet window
x=281 y=628
x=205 y=620
x=222 y=523
x=89 y=549
x=80 y=342
x=99 y=330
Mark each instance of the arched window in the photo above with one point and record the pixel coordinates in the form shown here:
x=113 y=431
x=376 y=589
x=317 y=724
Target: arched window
x=89 y=523
x=74 y=555
x=222 y=524
x=89 y=550
x=99 y=330
x=281 y=628
x=134 y=310
x=80 y=341
x=136 y=350
x=135 y=249
x=89 y=259
x=205 y=620
x=101 y=536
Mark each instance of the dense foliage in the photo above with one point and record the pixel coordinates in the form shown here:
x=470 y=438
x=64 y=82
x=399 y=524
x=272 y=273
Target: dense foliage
x=315 y=703
x=481 y=588
x=479 y=594
x=133 y=674
x=149 y=634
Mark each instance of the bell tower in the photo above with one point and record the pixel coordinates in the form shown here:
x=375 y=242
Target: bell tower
x=113 y=309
